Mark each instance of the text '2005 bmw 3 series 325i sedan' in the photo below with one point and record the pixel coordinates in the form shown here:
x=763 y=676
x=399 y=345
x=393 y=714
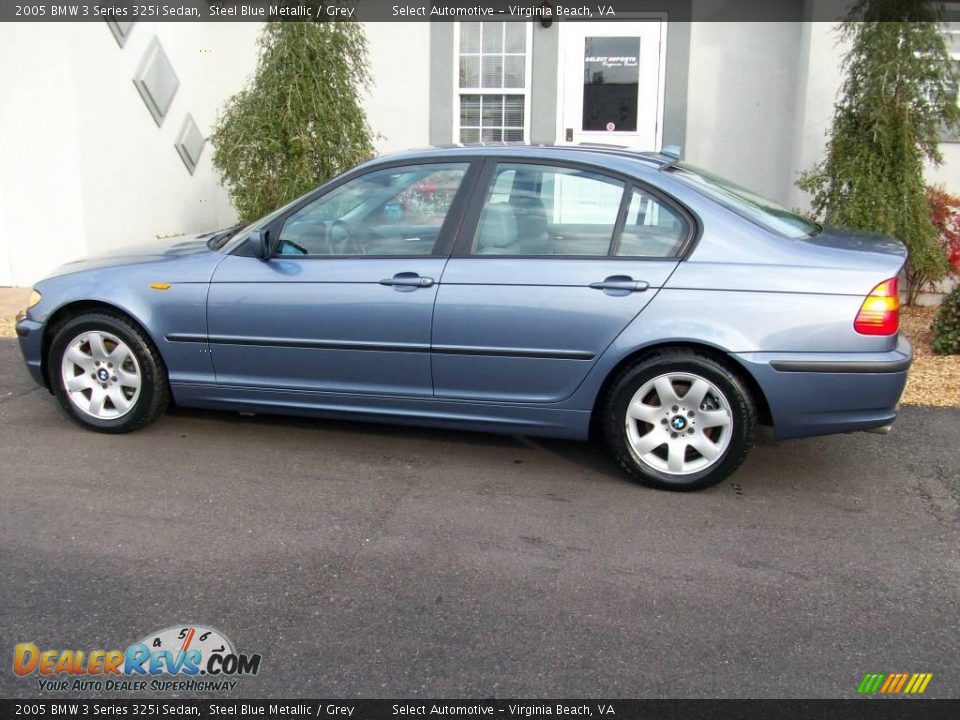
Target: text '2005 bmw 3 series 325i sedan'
x=533 y=290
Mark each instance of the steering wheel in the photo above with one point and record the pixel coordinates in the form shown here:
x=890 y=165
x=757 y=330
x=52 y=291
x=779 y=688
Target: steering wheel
x=340 y=239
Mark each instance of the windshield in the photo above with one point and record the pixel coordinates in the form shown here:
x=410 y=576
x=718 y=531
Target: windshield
x=763 y=212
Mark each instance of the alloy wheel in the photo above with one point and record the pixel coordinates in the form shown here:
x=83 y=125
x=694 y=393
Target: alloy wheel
x=101 y=375
x=678 y=423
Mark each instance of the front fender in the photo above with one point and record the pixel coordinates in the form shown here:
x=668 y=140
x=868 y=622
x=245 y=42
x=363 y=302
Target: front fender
x=160 y=299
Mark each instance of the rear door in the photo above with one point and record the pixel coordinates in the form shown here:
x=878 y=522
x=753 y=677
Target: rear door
x=345 y=303
x=553 y=262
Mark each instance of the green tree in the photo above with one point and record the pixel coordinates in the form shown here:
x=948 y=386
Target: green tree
x=898 y=94
x=299 y=121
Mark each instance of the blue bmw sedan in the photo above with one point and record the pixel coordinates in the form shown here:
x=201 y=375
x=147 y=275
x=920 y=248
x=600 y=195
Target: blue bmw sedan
x=532 y=290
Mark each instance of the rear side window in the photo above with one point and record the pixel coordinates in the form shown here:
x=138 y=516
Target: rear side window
x=651 y=229
x=543 y=210
x=539 y=210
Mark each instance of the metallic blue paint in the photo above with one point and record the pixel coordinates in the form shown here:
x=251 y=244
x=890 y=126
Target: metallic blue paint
x=333 y=300
x=514 y=345
x=543 y=304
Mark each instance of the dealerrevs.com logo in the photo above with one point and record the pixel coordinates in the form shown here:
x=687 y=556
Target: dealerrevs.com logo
x=199 y=658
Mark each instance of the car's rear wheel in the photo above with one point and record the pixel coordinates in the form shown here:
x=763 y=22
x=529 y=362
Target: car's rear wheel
x=106 y=374
x=679 y=420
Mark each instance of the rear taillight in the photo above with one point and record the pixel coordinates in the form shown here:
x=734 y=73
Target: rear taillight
x=880 y=312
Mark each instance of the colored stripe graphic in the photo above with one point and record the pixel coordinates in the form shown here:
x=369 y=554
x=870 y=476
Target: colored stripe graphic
x=894 y=683
x=870 y=683
x=923 y=679
x=900 y=683
x=890 y=682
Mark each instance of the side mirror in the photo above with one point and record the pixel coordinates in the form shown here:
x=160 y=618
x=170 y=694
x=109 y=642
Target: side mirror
x=261 y=242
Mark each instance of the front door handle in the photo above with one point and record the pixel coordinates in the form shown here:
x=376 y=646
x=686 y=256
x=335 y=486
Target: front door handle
x=623 y=283
x=408 y=280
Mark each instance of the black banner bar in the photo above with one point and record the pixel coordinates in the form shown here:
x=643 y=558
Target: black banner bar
x=546 y=11
x=855 y=709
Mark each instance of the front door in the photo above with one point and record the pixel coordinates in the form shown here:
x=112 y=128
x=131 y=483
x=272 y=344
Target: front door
x=346 y=303
x=611 y=88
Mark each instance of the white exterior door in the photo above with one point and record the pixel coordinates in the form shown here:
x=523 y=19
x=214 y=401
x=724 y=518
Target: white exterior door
x=611 y=83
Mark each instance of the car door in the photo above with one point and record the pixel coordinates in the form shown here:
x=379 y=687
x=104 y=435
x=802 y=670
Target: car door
x=345 y=302
x=553 y=263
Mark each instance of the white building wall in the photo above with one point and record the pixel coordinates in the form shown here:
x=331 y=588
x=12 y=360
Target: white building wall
x=398 y=105
x=819 y=78
x=85 y=168
x=741 y=101
x=761 y=101
x=40 y=201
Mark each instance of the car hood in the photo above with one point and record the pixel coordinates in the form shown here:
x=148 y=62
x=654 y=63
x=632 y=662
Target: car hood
x=171 y=249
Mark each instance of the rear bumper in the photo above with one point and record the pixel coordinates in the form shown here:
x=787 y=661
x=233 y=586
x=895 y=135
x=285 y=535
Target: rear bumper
x=824 y=393
x=30 y=336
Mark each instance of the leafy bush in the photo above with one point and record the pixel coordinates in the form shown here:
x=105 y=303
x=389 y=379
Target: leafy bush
x=945 y=216
x=899 y=92
x=946 y=325
x=299 y=121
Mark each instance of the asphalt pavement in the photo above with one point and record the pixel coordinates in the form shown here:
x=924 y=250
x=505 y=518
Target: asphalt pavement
x=378 y=561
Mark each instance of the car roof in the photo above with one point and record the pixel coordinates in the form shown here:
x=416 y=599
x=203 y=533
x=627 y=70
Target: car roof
x=595 y=153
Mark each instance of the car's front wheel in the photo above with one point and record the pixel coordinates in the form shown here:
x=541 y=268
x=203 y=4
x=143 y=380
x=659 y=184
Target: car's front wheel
x=106 y=374
x=679 y=420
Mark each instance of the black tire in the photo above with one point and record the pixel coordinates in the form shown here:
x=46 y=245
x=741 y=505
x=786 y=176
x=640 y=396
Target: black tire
x=678 y=360
x=154 y=395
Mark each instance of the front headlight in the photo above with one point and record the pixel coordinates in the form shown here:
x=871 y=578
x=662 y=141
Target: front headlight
x=34 y=299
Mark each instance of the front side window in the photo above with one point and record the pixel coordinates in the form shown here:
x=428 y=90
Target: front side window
x=542 y=210
x=493 y=82
x=765 y=213
x=395 y=211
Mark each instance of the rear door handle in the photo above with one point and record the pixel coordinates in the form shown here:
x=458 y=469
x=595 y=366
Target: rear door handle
x=623 y=283
x=408 y=280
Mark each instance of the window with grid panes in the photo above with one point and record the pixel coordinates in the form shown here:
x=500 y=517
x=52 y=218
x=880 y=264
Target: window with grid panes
x=493 y=86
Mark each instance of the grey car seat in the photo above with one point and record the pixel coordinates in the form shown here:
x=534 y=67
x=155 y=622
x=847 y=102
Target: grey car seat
x=497 y=234
x=531 y=220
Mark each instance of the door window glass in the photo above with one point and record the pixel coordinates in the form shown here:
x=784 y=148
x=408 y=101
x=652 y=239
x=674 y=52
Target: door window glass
x=651 y=228
x=396 y=211
x=540 y=210
x=611 y=83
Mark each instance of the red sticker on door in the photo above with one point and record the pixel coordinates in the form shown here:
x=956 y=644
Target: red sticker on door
x=611 y=127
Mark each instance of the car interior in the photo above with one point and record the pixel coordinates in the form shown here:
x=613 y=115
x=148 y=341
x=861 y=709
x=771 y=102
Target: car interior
x=531 y=211
x=392 y=212
x=581 y=219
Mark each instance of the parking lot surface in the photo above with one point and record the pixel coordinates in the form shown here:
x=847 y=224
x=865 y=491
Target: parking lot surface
x=378 y=561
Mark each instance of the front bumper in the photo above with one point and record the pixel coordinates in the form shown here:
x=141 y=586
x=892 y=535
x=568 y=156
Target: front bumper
x=30 y=335
x=825 y=393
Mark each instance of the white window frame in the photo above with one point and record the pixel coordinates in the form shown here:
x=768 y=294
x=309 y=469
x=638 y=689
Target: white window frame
x=524 y=91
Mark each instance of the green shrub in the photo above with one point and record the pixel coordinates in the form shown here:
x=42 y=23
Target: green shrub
x=299 y=121
x=946 y=325
x=899 y=91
